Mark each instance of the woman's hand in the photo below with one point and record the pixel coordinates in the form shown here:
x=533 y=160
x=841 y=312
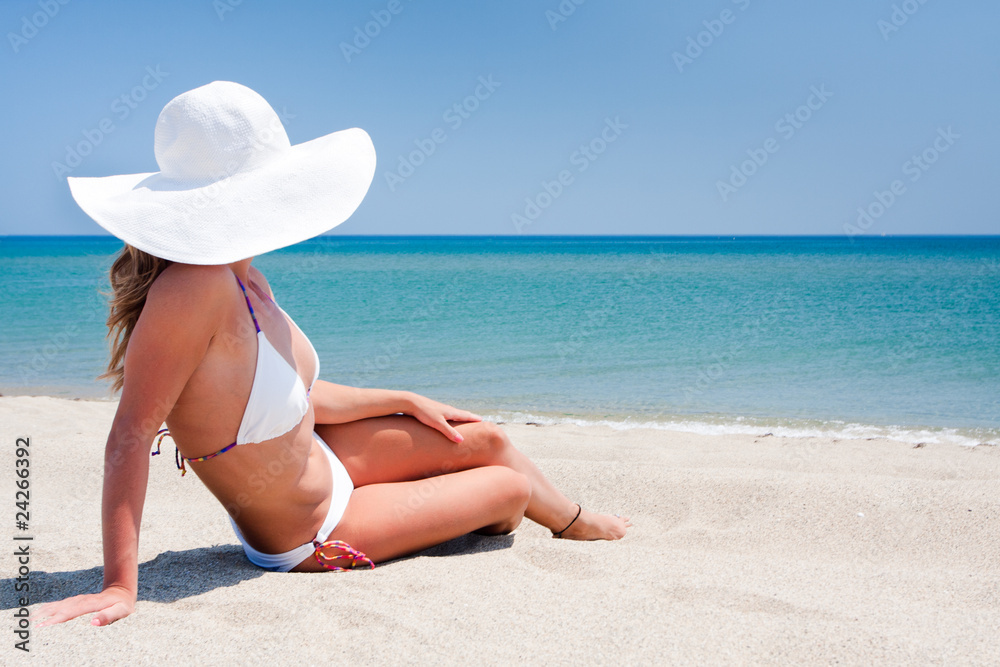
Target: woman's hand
x=111 y=604
x=436 y=415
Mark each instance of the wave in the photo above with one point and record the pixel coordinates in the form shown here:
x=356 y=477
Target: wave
x=782 y=428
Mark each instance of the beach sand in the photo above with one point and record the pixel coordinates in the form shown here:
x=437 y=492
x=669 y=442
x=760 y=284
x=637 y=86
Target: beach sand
x=745 y=550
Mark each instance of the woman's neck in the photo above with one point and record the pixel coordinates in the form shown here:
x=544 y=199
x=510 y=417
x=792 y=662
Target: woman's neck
x=242 y=269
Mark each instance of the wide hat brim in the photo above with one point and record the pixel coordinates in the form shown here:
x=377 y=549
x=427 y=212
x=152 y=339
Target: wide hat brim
x=308 y=189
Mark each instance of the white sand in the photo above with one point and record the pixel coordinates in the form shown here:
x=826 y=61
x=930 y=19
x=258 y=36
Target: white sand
x=745 y=551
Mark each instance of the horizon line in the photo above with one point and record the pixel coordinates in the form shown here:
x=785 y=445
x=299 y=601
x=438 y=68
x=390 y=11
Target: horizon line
x=110 y=237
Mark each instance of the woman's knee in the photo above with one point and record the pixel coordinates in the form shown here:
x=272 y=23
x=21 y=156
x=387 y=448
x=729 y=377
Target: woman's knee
x=488 y=440
x=515 y=491
x=512 y=493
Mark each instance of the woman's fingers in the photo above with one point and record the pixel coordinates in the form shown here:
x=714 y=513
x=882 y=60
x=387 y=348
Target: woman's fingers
x=438 y=422
x=449 y=431
x=113 y=613
x=108 y=607
x=465 y=416
x=64 y=610
x=454 y=414
x=437 y=415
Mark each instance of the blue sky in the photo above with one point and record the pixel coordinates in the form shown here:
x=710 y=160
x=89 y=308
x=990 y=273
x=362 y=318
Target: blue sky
x=721 y=117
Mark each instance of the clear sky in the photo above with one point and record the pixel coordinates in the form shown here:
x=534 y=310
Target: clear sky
x=720 y=117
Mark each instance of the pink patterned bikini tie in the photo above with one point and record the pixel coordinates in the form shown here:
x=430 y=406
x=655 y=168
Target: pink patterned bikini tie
x=352 y=553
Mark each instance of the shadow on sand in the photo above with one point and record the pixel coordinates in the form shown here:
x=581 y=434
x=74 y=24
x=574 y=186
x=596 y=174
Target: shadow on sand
x=174 y=575
x=171 y=576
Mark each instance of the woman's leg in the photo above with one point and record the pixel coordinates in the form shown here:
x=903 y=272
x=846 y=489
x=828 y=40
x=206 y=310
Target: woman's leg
x=400 y=448
x=389 y=520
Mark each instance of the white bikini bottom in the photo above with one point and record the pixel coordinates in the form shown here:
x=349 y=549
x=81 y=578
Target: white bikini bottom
x=342 y=489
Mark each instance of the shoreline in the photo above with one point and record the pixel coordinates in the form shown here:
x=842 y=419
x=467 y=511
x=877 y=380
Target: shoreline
x=721 y=425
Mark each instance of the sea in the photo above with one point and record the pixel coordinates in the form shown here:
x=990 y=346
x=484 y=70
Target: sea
x=835 y=336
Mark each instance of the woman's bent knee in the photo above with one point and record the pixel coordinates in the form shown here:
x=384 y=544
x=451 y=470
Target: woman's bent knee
x=488 y=440
x=516 y=491
x=512 y=493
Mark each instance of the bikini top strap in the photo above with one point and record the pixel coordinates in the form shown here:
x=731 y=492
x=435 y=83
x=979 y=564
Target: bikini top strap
x=249 y=305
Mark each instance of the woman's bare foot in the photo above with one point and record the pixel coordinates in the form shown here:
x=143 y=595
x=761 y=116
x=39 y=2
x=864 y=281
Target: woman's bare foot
x=592 y=526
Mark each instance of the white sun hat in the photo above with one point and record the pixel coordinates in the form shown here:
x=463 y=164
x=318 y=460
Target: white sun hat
x=230 y=184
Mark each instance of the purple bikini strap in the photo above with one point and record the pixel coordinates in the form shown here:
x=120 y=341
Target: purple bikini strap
x=249 y=305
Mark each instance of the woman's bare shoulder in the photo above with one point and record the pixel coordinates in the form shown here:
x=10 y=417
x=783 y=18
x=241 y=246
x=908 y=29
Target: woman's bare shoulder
x=184 y=310
x=191 y=284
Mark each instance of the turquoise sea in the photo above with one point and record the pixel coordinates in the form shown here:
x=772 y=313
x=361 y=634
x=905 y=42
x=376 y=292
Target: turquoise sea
x=788 y=335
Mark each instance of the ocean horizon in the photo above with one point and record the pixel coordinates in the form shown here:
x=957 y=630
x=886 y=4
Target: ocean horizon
x=790 y=335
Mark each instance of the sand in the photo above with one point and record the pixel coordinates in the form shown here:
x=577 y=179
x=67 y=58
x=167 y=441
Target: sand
x=745 y=550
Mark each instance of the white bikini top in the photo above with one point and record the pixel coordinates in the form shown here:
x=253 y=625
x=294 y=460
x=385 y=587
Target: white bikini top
x=278 y=398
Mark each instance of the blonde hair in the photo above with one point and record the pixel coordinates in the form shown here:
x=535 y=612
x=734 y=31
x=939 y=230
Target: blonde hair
x=132 y=274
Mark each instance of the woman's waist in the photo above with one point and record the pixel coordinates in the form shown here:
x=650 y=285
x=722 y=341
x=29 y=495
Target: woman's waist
x=277 y=502
x=285 y=470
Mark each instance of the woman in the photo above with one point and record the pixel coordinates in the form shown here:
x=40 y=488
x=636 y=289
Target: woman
x=319 y=476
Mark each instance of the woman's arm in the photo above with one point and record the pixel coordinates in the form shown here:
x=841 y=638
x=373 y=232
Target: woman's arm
x=338 y=404
x=169 y=340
